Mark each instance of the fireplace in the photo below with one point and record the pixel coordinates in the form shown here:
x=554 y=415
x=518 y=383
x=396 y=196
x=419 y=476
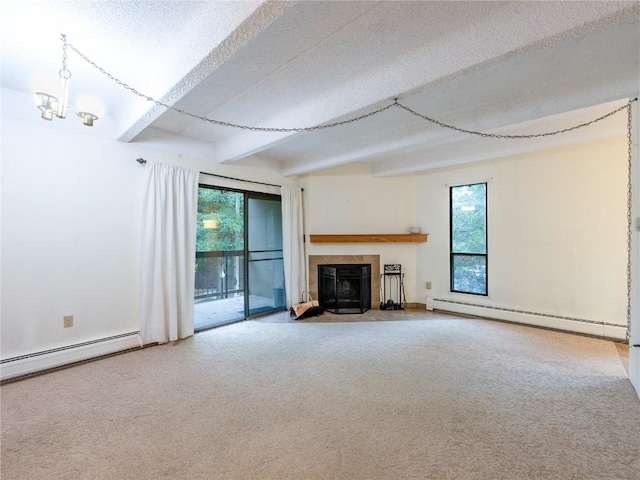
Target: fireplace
x=373 y=260
x=344 y=288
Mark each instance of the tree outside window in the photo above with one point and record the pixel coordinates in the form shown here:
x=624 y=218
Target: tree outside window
x=220 y=223
x=468 y=211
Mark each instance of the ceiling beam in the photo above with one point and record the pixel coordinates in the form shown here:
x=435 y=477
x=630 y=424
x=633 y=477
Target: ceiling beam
x=251 y=26
x=444 y=60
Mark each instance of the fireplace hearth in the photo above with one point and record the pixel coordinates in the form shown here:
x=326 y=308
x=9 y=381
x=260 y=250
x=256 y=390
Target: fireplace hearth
x=344 y=288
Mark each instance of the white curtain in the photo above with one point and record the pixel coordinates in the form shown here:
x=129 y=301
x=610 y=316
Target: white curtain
x=295 y=265
x=169 y=212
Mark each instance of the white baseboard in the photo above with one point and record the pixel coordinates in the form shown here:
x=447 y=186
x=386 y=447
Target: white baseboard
x=557 y=322
x=36 y=362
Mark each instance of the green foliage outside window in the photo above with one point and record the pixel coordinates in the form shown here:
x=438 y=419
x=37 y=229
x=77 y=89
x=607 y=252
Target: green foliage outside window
x=469 y=238
x=469 y=218
x=469 y=274
x=220 y=224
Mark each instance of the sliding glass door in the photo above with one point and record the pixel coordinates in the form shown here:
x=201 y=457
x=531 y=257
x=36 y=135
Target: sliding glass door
x=239 y=269
x=264 y=254
x=220 y=258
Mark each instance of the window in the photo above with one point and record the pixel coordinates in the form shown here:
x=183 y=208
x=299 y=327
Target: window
x=468 y=210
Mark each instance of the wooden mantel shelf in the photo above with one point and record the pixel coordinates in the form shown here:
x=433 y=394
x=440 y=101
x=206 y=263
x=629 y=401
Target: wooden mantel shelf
x=369 y=238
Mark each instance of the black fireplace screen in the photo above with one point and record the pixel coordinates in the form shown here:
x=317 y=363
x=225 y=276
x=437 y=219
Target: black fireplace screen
x=345 y=288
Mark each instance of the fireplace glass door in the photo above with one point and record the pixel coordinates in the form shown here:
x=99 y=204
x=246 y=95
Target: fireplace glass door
x=345 y=288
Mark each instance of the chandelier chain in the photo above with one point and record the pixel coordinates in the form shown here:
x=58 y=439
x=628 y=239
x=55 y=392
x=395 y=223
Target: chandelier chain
x=331 y=124
x=501 y=136
x=223 y=123
x=64 y=71
x=629 y=219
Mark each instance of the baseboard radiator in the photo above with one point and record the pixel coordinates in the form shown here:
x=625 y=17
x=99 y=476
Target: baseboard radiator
x=44 y=360
x=557 y=322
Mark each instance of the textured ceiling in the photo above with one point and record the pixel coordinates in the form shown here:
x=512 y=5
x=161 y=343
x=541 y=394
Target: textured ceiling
x=491 y=66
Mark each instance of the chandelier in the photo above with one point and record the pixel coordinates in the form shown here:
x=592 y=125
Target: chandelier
x=51 y=105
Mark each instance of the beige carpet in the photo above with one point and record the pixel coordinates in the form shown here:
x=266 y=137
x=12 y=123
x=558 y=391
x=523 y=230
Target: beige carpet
x=437 y=398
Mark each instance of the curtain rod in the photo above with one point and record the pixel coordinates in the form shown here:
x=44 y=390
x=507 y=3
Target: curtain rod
x=143 y=162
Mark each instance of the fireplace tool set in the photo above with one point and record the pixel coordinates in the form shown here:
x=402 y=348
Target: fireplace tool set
x=392 y=281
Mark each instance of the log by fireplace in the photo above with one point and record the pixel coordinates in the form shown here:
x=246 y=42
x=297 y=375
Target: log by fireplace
x=344 y=288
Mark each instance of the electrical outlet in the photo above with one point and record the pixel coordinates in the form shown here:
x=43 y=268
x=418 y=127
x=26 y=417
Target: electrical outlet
x=427 y=285
x=68 y=321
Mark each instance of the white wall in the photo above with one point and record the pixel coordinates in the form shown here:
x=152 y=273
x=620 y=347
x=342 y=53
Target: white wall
x=70 y=240
x=556 y=232
x=71 y=206
x=349 y=199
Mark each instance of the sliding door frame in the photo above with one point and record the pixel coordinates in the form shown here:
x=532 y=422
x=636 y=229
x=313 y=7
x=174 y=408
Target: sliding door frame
x=247 y=276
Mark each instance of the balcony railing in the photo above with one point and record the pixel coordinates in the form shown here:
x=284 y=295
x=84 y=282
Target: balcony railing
x=219 y=274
